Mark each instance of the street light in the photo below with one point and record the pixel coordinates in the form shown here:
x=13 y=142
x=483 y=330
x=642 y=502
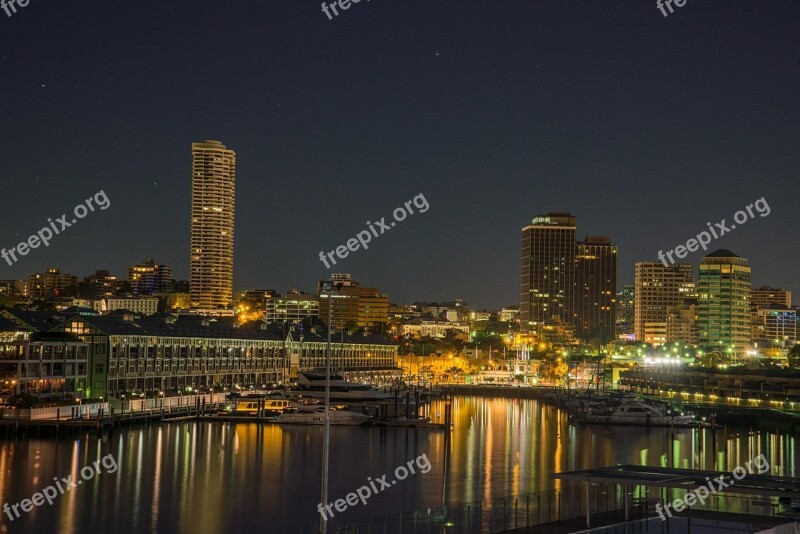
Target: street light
x=327 y=287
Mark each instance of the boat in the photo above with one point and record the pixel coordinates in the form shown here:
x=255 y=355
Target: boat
x=636 y=412
x=250 y=406
x=308 y=415
x=312 y=385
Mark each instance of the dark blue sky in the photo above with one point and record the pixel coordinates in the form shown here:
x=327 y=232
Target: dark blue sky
x=644 y=127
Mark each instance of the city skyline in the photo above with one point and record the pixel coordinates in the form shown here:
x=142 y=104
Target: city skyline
x=488 y=134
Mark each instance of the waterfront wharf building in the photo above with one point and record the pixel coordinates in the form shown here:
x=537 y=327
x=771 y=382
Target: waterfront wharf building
x=171 y=355
x=40 y=364
x=122 y=353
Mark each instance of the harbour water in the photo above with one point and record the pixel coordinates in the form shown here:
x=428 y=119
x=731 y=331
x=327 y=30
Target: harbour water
x=192 y=477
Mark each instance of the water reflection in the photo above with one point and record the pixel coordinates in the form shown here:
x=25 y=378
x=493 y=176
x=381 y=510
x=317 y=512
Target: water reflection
x=203 y=477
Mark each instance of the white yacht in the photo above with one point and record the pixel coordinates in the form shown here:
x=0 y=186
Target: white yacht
x=315 y=415
x=637 y=412
x=312 y=385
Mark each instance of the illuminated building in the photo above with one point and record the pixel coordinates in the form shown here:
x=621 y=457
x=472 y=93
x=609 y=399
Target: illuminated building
x=595 y=289
x=655 y=288
x=548 y=271
x=46 y=285
x=148 y=277
x=724 y=302
x=213 y=191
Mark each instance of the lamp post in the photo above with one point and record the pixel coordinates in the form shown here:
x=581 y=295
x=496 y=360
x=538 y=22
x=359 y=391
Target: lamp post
x=327 y=286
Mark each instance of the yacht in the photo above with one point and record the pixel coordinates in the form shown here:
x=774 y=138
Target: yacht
x=637 y=412
x=312 y=385
x=308 y=415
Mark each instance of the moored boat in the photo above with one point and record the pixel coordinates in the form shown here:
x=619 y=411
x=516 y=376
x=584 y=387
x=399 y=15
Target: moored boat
x=636 y=412
x=308 y=415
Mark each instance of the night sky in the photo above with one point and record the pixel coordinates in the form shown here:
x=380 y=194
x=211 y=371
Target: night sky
x=642 y=126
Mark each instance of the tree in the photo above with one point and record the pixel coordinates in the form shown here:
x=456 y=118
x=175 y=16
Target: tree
x=794 y=357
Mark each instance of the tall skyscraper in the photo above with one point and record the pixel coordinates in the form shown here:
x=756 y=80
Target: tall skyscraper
x=724 y=302
x=655 y=288
x=548 y=271
x=213 y=191
x=595 y=289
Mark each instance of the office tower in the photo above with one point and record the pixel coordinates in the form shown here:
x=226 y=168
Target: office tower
x=547 y=278
x=763 y=296
x=148 y=277
x=353 y=306
x=595 y=289
x=625 y=316
x=213 y=190
x=724 y=303
x=655 y=288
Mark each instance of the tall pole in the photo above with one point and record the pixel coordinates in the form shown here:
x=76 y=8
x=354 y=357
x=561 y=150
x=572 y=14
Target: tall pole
x=323 y=524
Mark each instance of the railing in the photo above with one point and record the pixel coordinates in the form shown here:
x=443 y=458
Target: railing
x=500 y=514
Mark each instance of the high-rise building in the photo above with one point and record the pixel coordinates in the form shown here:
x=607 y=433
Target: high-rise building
x=213 y=191
x=761 y=297
x=352 y=305
x=655 y=288
x=625 y=306
x=595 y=289
x=148 y=277
x=724 y=302
x=547 y=279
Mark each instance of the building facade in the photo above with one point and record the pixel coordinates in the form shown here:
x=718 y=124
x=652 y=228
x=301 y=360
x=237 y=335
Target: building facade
x=761 y=297
x=595 y=289
x=724 y=302
x=170 y=355
x=682 y=323
x=434 y=328
x=625 y=311
x=42 y=286
x=655 y=288
x=353 y=305
x=213 y=193
x=547 y=276
x=776 y=326
x=292 y=308
x=148 y=277
x=141 y=305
